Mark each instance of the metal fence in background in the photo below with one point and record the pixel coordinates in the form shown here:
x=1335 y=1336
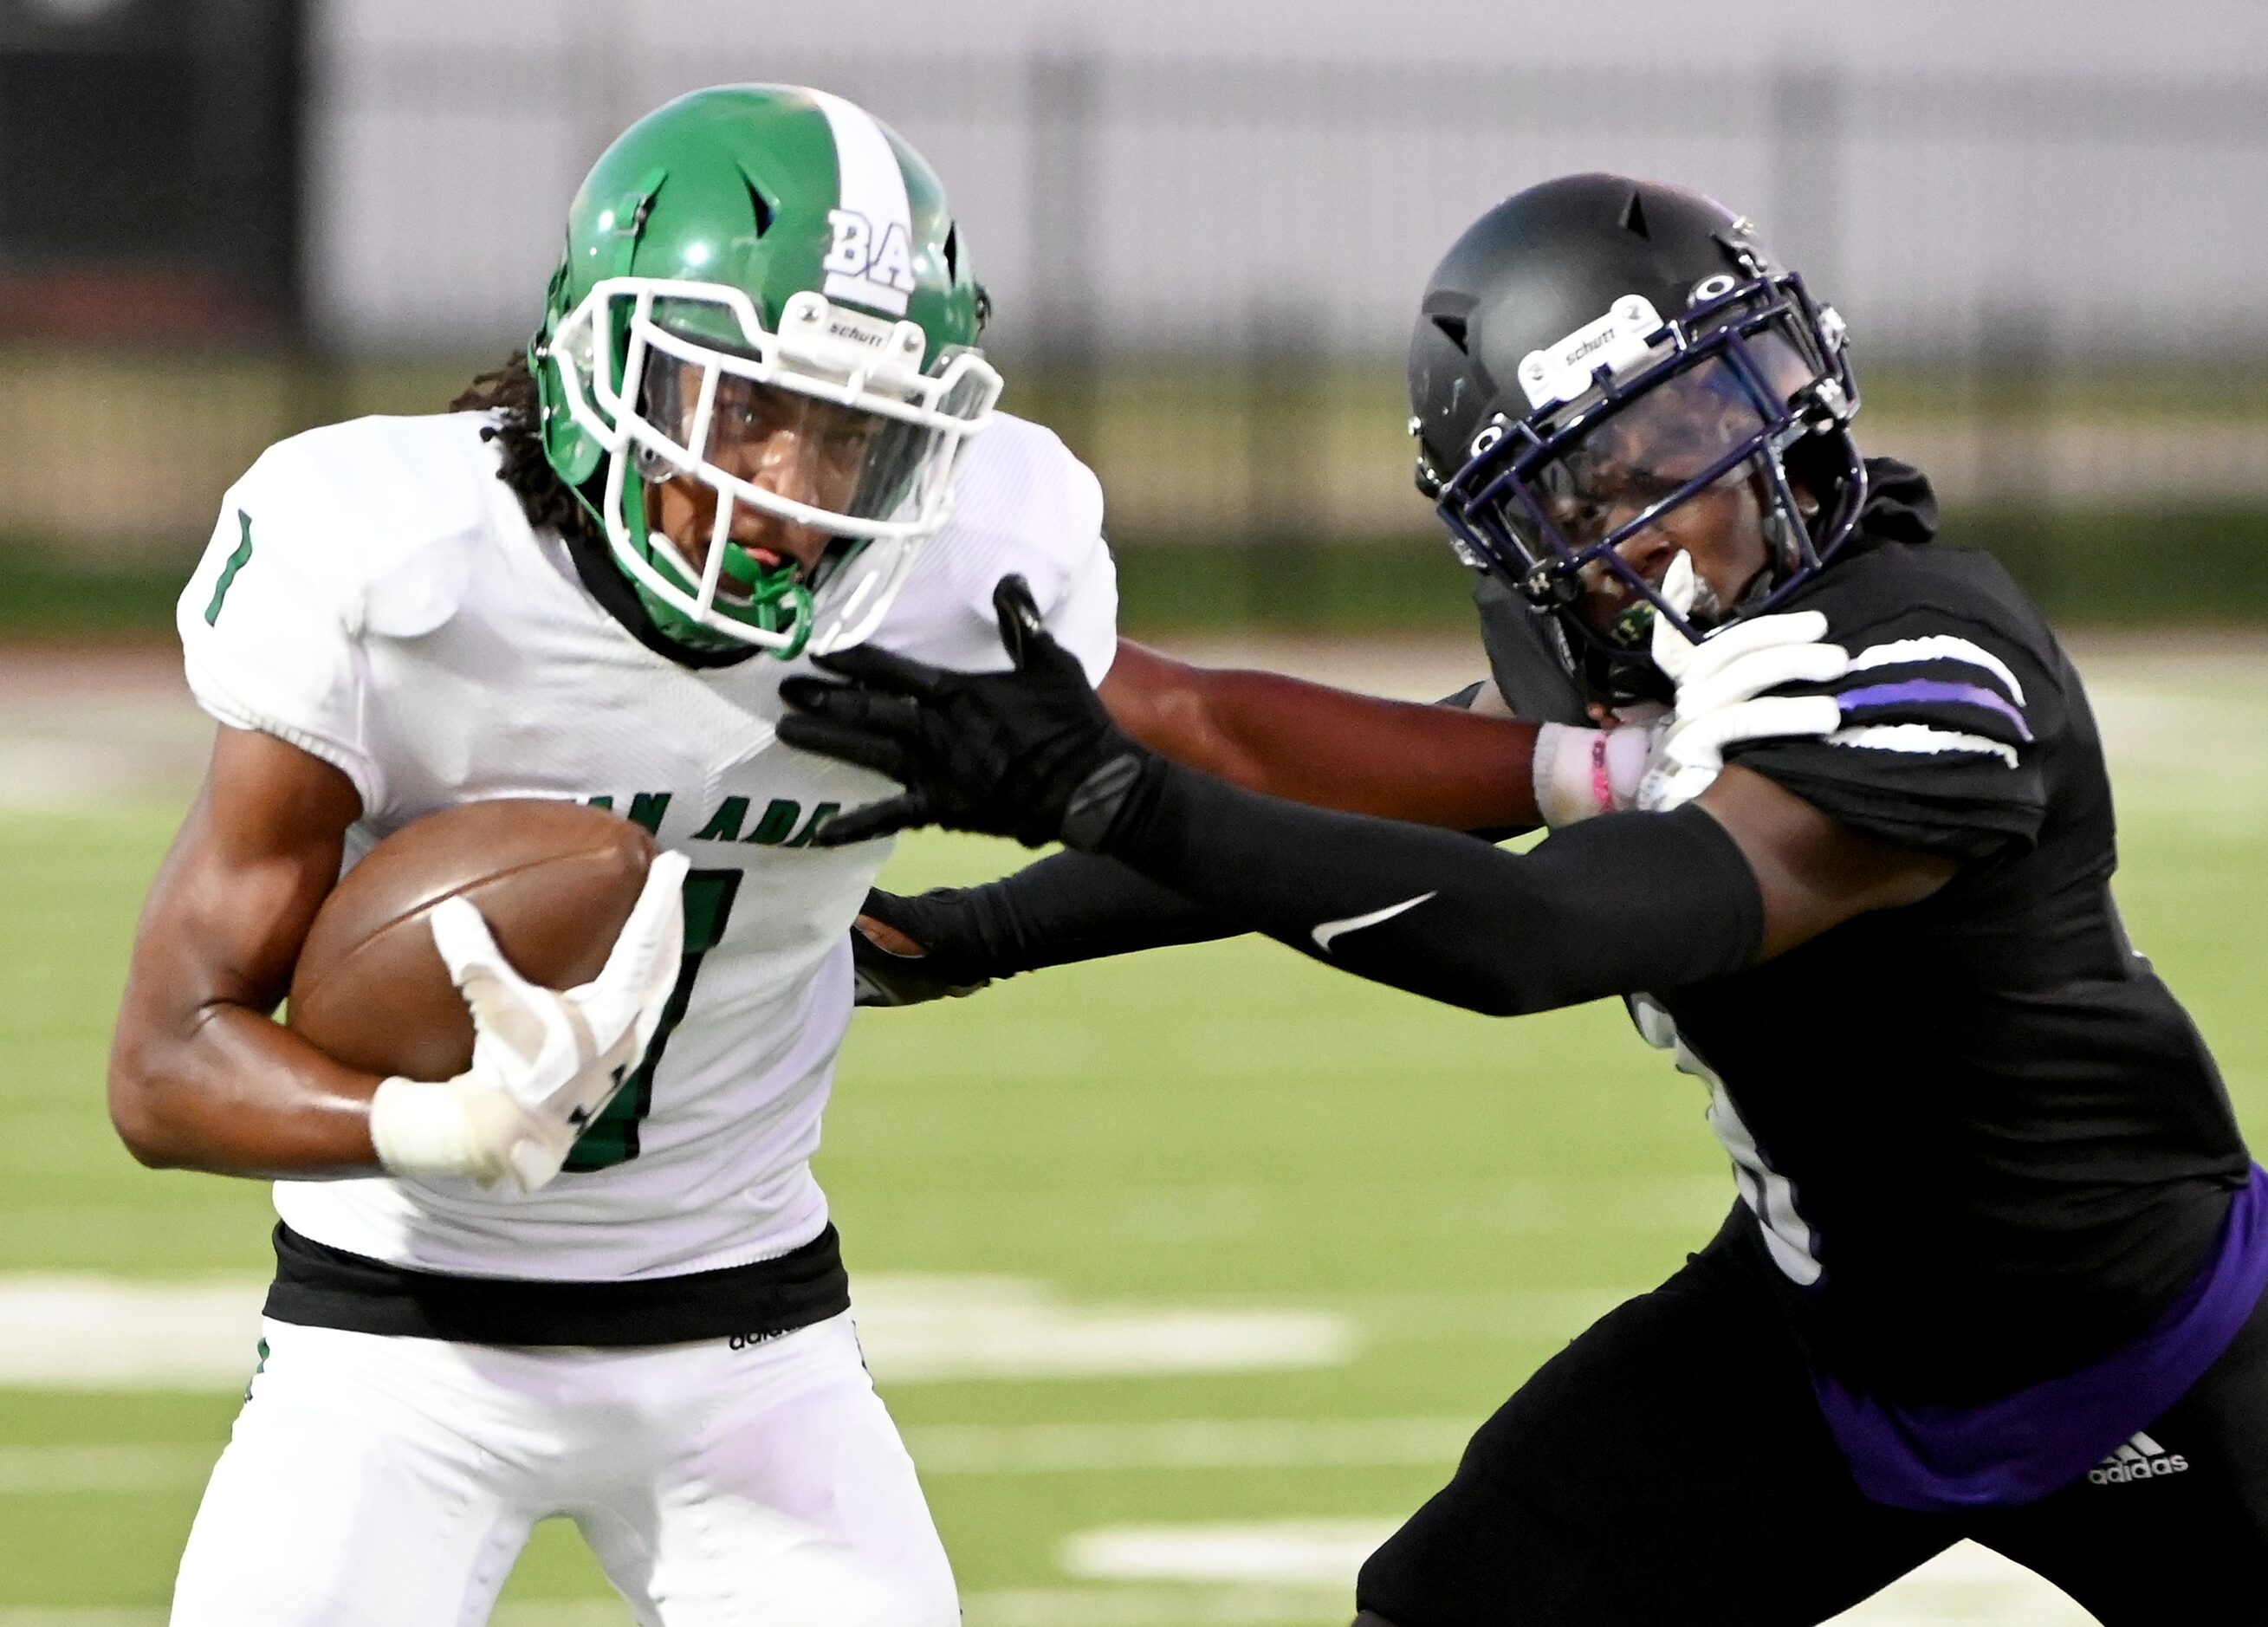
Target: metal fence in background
x=1205 y=270
x=1134 y=208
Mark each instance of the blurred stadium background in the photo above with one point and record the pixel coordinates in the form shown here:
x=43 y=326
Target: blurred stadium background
x=222 y=220
x=1185 y=1274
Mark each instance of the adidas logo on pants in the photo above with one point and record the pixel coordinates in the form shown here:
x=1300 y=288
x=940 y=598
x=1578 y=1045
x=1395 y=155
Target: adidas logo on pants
x=2139 y=1459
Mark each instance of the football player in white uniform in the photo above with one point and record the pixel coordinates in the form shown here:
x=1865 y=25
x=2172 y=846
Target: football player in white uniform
x=747 y=432
x=748 y=428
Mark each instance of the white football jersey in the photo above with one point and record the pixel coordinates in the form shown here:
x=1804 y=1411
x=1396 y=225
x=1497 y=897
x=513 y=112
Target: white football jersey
x=373 y=594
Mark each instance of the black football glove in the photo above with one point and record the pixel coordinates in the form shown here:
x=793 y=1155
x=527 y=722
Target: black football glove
x=1029 y=752
x=954 y=960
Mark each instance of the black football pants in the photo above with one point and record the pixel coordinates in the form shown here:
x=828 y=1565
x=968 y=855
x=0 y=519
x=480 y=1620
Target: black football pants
x=1671 y=1466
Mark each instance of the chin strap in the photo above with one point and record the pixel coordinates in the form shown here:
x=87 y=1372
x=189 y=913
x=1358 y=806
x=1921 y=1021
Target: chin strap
x=777 y=597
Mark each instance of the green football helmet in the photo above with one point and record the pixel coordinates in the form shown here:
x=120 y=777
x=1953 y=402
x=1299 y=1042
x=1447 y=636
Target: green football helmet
x=764 y=296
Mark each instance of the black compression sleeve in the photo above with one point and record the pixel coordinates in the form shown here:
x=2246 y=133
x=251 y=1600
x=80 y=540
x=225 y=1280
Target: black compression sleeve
x=1622 y=902
x=1069 y=905
x=1075 y=906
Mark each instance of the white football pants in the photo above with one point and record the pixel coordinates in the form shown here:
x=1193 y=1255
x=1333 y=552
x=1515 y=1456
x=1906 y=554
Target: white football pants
x=377 y=1482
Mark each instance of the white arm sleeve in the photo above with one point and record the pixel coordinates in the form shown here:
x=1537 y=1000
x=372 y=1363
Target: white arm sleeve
x=267 y=626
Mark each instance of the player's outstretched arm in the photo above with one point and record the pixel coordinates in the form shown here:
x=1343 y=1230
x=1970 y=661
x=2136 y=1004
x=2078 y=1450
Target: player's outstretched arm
x=1329 y=747
x=199 y=1078
x=1639 y=902
x=1627 y=903
x=1067 y=907
x=1436 y=765
x=1617 y=904
x=1463 y=768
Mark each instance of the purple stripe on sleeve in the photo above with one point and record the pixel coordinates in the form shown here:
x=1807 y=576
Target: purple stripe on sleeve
x=1915 y=690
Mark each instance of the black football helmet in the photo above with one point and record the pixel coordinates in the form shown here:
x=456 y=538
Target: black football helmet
x=1596 y=329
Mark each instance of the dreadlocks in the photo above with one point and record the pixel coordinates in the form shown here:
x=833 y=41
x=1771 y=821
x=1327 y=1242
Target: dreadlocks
x=508 y=392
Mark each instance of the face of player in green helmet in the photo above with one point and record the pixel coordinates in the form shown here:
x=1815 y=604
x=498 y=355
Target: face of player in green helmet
x=757 y=363
x=804 y=451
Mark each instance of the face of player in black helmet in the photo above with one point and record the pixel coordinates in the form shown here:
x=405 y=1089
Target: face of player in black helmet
x=1684 y=448
x=1636 y=461
x=1606 y=373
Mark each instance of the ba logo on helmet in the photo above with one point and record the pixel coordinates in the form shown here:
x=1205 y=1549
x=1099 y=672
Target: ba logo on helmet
x=871 y=268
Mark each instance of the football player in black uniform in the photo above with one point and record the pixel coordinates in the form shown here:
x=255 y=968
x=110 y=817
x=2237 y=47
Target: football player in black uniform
x=1998 y=1268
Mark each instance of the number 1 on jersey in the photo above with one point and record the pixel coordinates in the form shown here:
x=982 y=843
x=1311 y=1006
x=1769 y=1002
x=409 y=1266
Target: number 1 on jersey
x=612 y=1137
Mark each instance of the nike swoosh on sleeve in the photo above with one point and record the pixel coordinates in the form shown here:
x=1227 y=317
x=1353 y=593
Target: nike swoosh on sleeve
x=1328 y=930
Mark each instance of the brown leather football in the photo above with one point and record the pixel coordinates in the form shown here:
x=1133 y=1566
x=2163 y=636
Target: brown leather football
x=556 y=881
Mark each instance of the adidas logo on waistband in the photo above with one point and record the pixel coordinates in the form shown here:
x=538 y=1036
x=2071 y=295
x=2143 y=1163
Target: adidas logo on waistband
x=2139 y=1459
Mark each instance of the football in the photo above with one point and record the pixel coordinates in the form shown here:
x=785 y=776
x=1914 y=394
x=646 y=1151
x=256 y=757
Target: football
x=555 y=879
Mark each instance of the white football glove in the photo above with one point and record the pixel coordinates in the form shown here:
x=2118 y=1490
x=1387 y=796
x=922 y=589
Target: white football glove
x=1721 y=683
x=1655 y=759
x=545 y=1063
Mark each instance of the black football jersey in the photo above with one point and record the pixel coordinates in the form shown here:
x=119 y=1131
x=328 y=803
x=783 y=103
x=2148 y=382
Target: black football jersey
x=1981 y=1142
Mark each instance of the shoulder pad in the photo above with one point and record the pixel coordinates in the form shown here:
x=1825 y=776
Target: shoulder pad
x=1019 y=479
x=382 y=513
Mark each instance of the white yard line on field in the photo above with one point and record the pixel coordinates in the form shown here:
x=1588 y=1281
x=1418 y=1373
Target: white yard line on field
x=64 y=1330
x=1151 y=1606
x=940 y=1450
x=1289 y=1563
x=1277 y=1553
x=1033 y=1607
x=1273 y=1574
x=86 y=1332
x=106 y=1467
x=521 y=1613
x=915 y=1329
x=1188 y=1443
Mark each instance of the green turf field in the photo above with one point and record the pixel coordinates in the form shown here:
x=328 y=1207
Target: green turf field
x=1211 y=1129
